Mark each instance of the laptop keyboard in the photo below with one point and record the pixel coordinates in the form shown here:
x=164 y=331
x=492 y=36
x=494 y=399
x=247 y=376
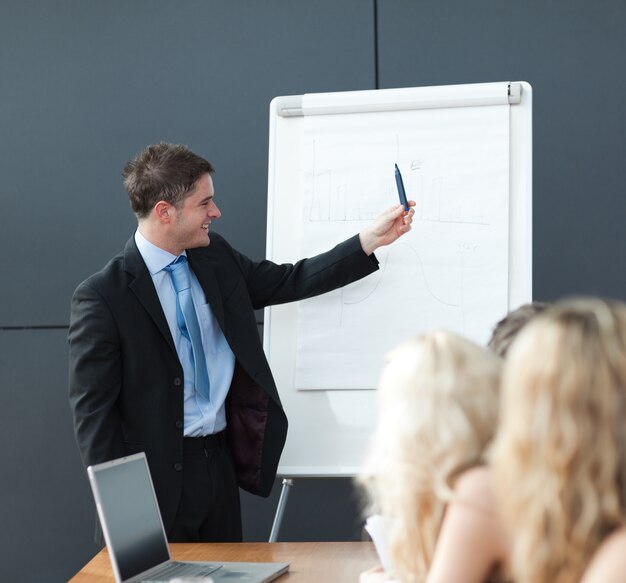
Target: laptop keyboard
x=175 y=570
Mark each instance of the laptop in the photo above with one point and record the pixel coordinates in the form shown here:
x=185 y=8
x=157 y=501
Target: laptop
x=134 y=533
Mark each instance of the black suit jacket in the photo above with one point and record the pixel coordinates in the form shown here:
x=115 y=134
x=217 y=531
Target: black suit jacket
x=126 y=382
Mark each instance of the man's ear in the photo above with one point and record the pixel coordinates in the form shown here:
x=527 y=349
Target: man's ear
x=163 y=210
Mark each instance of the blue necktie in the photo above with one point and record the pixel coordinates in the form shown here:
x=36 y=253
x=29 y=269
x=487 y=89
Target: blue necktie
x=187 y=321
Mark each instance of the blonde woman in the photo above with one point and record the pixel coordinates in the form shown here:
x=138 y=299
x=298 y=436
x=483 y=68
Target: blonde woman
x=425 y=472
x=560 y=457
x=506 y=330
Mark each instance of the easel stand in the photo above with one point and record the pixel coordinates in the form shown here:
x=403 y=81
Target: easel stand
x=280 y=509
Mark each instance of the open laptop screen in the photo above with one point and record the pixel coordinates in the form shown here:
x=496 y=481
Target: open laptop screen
x=132 y=522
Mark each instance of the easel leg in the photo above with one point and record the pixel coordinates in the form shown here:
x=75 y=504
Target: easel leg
x=282 y=502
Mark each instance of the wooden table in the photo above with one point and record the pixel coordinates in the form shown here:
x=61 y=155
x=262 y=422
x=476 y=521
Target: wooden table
x=339 y=562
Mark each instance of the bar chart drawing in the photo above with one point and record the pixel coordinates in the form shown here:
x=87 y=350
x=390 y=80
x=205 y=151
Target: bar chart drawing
x=333 y=199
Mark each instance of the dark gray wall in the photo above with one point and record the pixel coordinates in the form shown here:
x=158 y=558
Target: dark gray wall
x=46 y=505
x=86 y=84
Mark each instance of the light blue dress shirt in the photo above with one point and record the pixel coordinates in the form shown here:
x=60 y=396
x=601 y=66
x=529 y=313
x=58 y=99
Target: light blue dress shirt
x=202 y=417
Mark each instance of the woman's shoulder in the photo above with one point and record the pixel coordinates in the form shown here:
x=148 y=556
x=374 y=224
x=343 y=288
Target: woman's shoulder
x=476 y=486
x=607 y=564
x=471 y=545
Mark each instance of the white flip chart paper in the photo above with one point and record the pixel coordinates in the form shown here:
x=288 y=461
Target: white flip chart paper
x=450 y=271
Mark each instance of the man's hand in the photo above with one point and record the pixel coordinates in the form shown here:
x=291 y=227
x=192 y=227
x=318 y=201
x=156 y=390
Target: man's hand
x=388 y=227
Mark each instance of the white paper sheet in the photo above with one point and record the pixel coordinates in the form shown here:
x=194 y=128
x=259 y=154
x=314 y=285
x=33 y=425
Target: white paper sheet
x=450 y=271
x=375 y=527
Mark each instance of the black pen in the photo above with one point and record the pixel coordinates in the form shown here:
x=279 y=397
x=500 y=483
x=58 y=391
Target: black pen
x=400 y=185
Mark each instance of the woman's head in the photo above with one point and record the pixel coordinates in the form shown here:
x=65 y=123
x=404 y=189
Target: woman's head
x=439 y=392
x=438 y=407
x=505 y=331
x=561 y=450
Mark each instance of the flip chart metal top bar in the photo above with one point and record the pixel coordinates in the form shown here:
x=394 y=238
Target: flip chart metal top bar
x=399 y=99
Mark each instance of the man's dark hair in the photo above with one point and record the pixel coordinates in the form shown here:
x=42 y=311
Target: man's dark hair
x=508 y=328
x=162 y=172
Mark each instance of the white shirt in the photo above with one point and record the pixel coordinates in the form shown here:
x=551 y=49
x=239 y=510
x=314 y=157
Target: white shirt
x=201 y=416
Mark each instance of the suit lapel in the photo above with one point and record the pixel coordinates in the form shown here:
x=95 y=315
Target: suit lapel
x=143 y=288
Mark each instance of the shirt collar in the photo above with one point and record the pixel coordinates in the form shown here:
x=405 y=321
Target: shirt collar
x=154 y=257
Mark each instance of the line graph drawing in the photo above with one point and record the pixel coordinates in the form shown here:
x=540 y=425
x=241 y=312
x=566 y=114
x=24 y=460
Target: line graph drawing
x=401 y=249
x=397 y=249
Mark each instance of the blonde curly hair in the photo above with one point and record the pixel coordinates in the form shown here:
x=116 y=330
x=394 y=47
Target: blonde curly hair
x=560 y=455
x=438 y=407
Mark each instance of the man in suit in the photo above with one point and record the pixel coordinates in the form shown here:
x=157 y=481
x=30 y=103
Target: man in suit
x=204 y=408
